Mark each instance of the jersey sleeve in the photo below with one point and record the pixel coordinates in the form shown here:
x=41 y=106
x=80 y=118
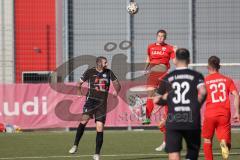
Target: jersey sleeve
x=232 y=86
x=164 y=86
x=113 y=77
x=200 y=80
x=85 y=76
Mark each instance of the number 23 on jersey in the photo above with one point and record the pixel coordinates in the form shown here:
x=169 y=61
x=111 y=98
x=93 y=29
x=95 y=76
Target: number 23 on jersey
x=218 y=92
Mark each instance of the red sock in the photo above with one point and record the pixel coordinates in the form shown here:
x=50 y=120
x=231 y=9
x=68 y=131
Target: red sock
x=207 y=148
x=149 y=107
x=163 y=129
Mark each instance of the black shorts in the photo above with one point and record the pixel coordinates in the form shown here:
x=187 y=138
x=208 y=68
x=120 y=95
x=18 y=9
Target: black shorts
x=95 y=109
x=192 y=138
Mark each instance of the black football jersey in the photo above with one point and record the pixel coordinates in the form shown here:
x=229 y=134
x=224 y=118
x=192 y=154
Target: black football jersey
x=183 y=106
x=99 y=82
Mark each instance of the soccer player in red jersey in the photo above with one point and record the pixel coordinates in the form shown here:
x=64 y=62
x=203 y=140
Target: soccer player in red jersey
x=158 y=57
x=157 y=64
x=218 y=114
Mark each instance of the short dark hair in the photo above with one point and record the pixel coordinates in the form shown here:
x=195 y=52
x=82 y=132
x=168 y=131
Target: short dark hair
x=183 y=55
x=214 y=62
x=162 y=31
x=100 y=58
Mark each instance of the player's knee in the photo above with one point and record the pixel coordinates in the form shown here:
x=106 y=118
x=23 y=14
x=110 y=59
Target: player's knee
x=206 y=140
x=99 y=129
x=223 y=141
x=85 y=118
x=150 y=93
x=174 y=156
x=84 y=122
x=99 y=126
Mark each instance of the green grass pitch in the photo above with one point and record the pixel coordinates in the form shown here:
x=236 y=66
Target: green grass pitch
x=118 y=145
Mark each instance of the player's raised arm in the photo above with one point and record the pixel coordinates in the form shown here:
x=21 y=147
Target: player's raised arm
x=116 y=83
x=117 y=86
x=80 y=88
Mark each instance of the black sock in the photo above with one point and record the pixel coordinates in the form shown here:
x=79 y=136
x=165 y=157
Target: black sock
x=99 y=142
x=79 y=133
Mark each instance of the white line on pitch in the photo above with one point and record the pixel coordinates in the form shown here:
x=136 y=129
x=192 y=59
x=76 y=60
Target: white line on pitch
x=110 y=155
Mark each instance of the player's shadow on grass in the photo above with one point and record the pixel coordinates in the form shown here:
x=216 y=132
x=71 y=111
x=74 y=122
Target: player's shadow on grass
x=216 y=149
x=140 y=158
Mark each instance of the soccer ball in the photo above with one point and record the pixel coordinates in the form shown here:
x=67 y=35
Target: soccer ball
x=132 y=8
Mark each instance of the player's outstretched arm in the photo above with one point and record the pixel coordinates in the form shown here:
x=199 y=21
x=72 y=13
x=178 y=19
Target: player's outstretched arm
x=236 y=116
x=117 y=87
x=80 y=88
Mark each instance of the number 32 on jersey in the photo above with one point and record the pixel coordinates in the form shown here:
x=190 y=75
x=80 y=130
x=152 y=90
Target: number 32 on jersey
x=180 y=90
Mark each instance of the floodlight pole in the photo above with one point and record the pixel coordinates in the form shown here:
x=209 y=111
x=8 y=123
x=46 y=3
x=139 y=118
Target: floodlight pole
x=130 y=37
x=70 y=39
x=2 y=40
x=192 y=29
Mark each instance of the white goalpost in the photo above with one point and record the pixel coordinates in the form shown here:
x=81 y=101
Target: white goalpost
x=205 y=64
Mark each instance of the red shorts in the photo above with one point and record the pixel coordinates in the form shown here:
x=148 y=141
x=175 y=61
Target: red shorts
x=154 y=78
x=222 y=126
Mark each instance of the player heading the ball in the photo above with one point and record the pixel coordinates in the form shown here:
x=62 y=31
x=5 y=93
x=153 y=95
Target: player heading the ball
x=157 y=65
